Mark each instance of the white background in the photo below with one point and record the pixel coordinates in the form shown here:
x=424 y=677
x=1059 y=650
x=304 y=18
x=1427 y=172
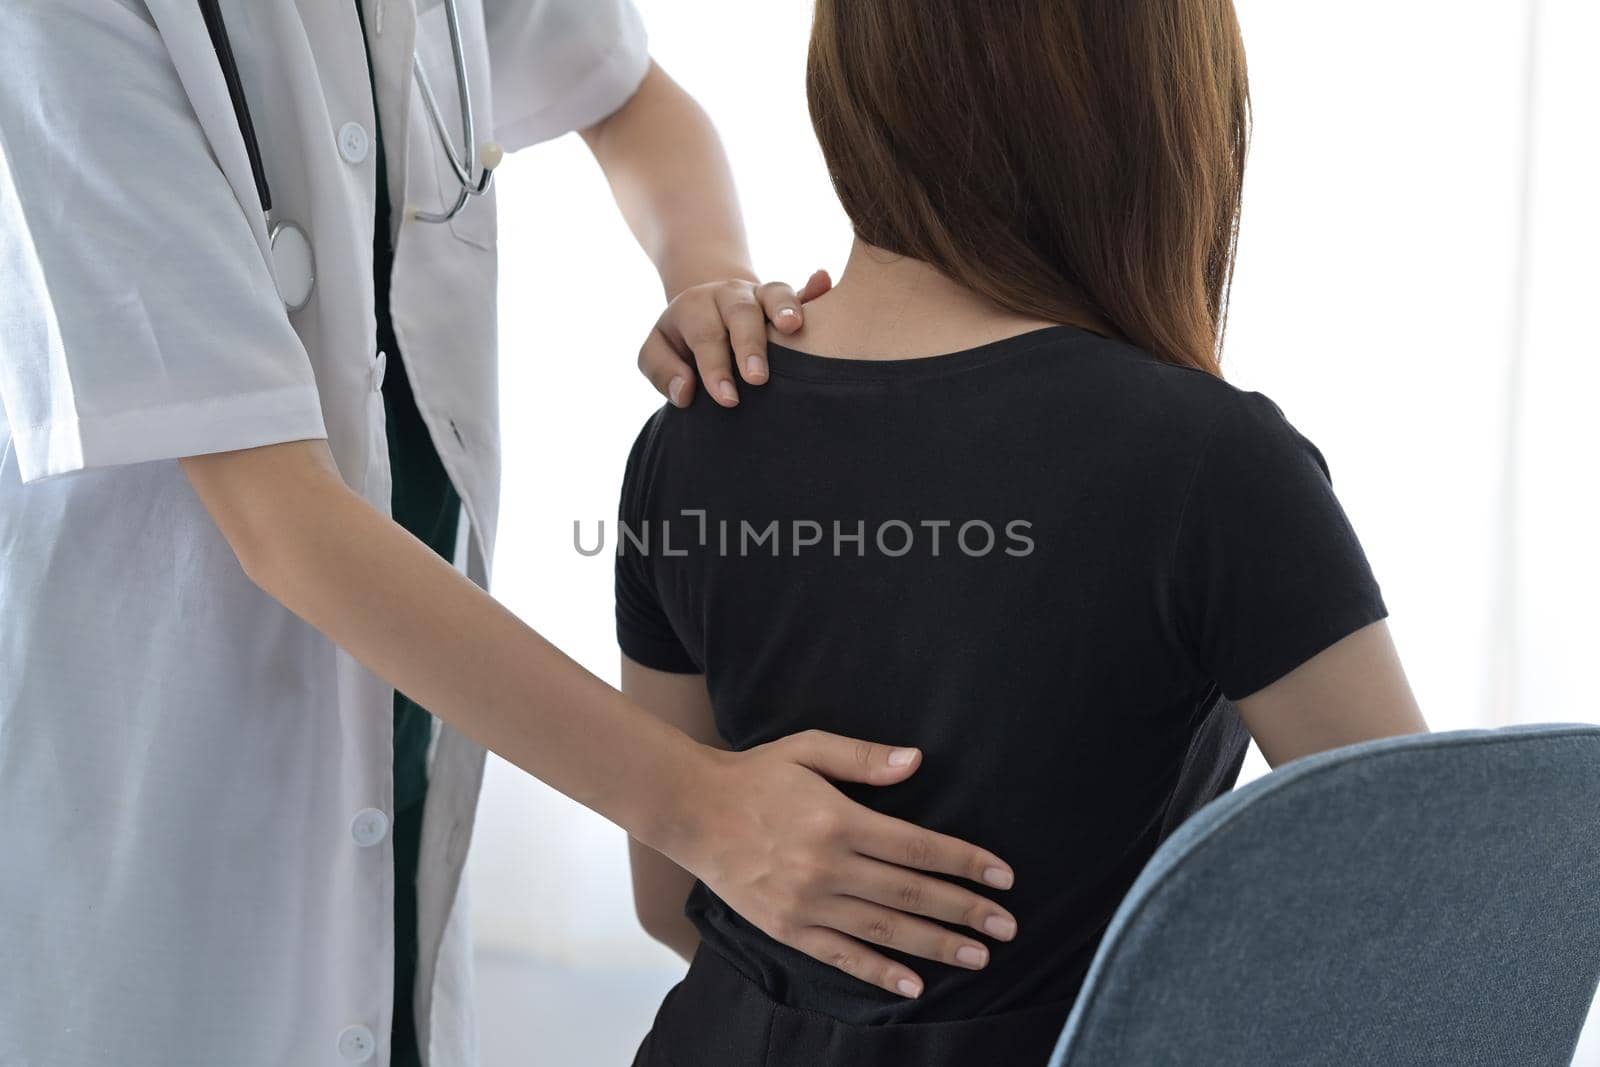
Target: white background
x=1416 y=288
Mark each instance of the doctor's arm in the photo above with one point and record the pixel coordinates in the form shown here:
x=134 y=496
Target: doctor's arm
x=660 y=886
x=671 y=180
x=763 y=828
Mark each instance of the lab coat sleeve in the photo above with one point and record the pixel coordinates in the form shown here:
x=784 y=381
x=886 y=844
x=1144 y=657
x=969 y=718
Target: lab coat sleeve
x=561 y=65
x=138 y=316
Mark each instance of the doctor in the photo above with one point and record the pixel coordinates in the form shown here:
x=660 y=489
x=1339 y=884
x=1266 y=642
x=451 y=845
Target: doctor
x=224 y=841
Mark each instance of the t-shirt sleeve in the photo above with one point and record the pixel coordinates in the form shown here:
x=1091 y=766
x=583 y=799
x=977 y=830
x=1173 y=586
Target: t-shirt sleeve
x=561 y=65
x=1267 y=570
x=644 y=631
x=138 y=316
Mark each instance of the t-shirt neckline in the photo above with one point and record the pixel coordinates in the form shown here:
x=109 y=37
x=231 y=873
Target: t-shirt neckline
x=790 y=362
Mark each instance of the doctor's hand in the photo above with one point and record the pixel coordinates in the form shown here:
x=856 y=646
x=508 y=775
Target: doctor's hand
x=826 y=876
x=720 y=328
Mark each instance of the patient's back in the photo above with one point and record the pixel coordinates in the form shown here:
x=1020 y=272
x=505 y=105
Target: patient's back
x=1041 y=561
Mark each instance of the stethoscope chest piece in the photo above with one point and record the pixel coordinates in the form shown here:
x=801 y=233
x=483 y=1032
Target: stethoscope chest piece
x=293 y=268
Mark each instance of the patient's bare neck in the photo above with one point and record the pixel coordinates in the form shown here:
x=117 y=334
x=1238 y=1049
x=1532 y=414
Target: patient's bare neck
x=887 y=306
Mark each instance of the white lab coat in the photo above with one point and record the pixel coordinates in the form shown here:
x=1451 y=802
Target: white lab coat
x=195 y=866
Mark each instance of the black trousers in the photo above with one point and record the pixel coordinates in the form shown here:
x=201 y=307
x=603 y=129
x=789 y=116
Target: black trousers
x=716 y=1017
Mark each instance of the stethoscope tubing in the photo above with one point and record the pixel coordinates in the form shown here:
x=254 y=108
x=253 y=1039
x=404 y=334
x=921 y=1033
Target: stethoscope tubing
x=220 y=44
x=287 y=241
x=461 y=163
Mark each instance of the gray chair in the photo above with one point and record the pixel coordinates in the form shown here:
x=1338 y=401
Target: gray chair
x=1421 y=900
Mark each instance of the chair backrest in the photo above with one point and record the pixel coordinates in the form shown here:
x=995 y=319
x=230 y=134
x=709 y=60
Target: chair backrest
x=1421 y=900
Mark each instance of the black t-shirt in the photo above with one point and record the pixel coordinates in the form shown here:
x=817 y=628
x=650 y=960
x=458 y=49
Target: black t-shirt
x=1044 y=561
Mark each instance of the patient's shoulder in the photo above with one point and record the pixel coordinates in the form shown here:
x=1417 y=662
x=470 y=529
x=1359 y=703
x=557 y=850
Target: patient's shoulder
x=668 y=444
x=1126 y=383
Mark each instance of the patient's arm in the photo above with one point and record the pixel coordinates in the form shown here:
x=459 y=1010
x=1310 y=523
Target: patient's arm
x=659 y=885
x=1354 y=690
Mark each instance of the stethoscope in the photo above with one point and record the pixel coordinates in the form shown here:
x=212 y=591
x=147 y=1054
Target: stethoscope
x=293 y=265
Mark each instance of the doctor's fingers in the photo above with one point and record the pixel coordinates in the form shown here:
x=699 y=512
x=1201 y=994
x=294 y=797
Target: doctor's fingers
x=713 y=355
x=660 y=362
x=857 y=960
x=784 y=307
x=878 y=925
x=919 y=894
x=819 y=282
x=694 y=326
x=904 y=844
x=744 y=316
x=781 y=306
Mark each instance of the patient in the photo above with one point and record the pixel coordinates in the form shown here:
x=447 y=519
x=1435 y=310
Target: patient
x=998 y=500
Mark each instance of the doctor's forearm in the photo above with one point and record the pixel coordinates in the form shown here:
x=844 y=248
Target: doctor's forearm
x=762 y=828
x=672 y=181
x=414 y=620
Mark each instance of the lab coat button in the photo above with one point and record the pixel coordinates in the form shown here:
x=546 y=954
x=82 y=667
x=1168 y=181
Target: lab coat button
x=379 y=366
x=356 y=1044
x=369 y=826
x=354 y=142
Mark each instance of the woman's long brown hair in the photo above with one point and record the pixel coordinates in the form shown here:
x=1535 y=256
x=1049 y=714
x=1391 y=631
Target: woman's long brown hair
x=1077 y=161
